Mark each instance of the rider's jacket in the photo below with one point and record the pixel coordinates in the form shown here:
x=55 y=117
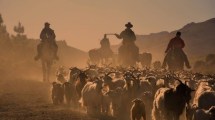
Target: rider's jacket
x=175 y=42
x=128 y=36
x=47 y=34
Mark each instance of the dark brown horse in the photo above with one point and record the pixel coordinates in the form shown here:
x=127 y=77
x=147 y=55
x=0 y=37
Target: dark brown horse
x=175 y=60
x=128 y=55
x=145 y=59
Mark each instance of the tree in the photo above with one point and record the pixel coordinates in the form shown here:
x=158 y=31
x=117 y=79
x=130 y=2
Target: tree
x=2 y=27
x=1 y=20
x=19 y=29
x=4 y=35
x=3 y=32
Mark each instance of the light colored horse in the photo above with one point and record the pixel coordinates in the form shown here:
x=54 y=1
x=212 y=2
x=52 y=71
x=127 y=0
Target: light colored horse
x=47 y=58
x=100 y=56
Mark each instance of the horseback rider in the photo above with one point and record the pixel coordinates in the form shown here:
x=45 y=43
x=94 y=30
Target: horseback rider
x=176 y=43
x=105 y=46
x=105 y=43
x=128 y=47
x=105 y=49
x=47 y=35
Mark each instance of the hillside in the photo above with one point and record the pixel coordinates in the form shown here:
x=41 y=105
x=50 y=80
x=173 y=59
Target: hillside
x=17 y=52
x=17 y=57
x=199 y=39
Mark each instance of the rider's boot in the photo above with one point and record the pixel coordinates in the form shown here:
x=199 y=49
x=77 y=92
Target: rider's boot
x=37 y=57
x=188 y=65
x=163 y=65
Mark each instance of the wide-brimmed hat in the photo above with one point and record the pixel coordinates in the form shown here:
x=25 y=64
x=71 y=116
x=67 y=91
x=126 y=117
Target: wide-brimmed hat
x=128 y=25
x=47 y=24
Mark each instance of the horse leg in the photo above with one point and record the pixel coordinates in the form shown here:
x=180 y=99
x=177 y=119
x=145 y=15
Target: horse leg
x=48 y=71
x=44 y=71
x=103 y=61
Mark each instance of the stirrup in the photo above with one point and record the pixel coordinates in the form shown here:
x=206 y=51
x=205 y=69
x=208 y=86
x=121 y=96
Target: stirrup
x=37 y=57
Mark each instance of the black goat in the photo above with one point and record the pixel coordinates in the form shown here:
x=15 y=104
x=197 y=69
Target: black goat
x=169 y=103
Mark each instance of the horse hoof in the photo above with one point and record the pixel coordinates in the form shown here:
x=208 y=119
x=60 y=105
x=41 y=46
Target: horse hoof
x=36 y=58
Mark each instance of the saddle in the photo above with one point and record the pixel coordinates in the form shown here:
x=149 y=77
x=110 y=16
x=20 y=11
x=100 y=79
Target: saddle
x=174 y=54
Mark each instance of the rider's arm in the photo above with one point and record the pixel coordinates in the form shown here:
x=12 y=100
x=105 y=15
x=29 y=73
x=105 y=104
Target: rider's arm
x=119 y=36
x=169 y=46
x=182 y=43
x=43 y=35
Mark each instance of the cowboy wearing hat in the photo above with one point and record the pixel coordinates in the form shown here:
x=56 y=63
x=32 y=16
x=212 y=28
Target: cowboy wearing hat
x=128 y=46
x=47 y=35
x=47 y=32
x=127 y=35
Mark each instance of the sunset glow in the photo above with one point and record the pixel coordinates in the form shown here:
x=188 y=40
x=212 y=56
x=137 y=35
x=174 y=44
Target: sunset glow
x=82 y=23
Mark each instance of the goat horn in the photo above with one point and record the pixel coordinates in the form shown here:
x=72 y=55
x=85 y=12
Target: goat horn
x=178 y=80
x=109 y=64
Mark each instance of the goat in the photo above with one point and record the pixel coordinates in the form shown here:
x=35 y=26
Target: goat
x=138 y=110
x=169 y=103
x=205 y=95
x=91 y=97
x=80 y=83
x=201 y=114
x=57 y=93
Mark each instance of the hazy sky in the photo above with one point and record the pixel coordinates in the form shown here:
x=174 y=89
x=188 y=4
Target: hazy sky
x=82 y=23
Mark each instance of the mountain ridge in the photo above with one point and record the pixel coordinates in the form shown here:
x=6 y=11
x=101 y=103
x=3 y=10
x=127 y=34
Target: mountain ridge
x=199 y=39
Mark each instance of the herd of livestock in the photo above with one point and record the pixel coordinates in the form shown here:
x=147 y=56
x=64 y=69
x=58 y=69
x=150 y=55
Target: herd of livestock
x=137 y=93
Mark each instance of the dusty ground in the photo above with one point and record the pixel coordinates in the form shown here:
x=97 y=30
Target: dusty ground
x=30 y=100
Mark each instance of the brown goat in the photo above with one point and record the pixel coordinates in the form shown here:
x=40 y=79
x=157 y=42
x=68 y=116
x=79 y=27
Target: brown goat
x=138 y=110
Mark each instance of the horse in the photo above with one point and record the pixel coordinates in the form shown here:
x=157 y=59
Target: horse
x=100 y=55
x=128 y=55
x=47 y=59
x=145 y=59
x=175 y=60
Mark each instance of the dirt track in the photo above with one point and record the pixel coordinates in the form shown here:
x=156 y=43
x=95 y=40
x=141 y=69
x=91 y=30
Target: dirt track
x=30 y=100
